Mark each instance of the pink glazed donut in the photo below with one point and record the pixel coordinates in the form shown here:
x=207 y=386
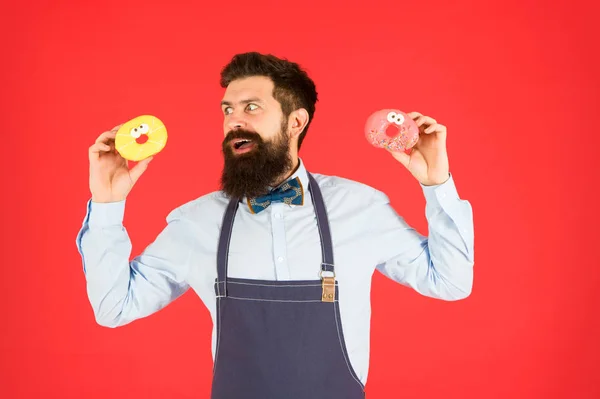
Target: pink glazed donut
x=406 y=131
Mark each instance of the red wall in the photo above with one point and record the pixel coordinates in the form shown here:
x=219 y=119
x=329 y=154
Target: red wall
x=514 y=82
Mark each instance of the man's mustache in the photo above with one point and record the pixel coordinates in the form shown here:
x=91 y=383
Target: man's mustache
x=242 y=134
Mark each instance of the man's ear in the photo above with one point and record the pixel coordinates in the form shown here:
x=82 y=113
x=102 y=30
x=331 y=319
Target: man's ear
x=297 y=122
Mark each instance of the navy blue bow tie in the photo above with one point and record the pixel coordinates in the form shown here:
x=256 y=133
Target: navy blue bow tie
x=290 y=192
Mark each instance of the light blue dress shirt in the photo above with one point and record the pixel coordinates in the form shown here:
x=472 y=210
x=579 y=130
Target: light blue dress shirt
x=281 y=243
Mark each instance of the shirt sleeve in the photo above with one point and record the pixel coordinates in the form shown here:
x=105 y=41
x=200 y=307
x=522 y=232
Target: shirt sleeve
x=119 y=290
x=439 y=265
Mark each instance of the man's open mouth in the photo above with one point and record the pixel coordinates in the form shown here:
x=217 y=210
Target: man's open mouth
x=242 y=145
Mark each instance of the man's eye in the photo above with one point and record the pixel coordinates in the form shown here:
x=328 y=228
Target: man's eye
x=227 y=111
x=252 y=105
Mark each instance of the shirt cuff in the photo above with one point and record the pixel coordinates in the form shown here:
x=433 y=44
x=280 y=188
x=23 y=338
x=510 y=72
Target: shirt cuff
x=437 y=194
x=104 y=214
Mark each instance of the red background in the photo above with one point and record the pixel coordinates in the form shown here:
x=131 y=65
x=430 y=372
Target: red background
x=514 y=82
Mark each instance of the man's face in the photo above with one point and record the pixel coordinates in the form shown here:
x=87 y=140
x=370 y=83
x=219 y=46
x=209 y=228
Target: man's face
x=248 y=104
x=256 y=146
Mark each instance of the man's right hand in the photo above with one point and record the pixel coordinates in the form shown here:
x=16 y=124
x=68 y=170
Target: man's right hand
x=110 y=177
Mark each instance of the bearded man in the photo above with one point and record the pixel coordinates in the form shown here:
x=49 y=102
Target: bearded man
x=282 y=257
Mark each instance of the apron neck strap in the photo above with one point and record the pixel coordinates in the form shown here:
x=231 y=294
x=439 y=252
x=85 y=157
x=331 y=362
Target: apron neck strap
x=322 y=224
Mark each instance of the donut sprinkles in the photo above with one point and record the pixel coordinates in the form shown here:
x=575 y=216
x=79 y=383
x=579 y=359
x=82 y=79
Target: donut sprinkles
x=380 y=121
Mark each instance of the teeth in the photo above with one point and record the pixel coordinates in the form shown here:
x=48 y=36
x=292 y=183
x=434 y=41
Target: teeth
x=239 y=143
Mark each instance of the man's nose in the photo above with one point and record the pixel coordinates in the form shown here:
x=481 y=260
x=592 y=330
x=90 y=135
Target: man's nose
x=236 y=122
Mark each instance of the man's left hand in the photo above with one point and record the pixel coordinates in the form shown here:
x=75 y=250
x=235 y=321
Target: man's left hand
x=428 y=159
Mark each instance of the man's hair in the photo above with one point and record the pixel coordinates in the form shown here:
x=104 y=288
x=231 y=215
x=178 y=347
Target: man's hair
x=293 y=89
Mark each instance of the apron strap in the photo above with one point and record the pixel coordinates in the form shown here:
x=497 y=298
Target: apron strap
x=327 y=264
x=224 y=240
x=323 y=225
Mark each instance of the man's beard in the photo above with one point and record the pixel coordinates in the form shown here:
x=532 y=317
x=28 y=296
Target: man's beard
x=251 y=173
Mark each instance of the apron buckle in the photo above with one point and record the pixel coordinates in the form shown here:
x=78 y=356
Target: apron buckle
x=328 y=284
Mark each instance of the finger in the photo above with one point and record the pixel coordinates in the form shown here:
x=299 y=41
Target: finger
x=430 y=129
x=401 y=156
x=97 y=148
x=437 y=128
x=100 y=147
x=106 y=137
x=425 y=120
x=414 y=114
x=116 y=127
x=139 y=169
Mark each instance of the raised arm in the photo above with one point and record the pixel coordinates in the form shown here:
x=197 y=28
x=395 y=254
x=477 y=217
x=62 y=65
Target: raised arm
x=121 y=290
x=439 y=265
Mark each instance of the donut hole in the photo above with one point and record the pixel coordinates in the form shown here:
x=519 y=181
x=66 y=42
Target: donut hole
x=142 y=139
x=392 y=130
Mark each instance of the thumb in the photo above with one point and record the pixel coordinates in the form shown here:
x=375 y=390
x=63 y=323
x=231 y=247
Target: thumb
x=401 y=156
x=139 y=169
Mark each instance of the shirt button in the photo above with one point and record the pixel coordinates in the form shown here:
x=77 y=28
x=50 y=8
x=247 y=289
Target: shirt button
x=280 y=259
x=278 y=215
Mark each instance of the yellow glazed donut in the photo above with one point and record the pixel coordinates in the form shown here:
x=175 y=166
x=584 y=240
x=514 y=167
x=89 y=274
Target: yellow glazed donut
x=141 y=138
